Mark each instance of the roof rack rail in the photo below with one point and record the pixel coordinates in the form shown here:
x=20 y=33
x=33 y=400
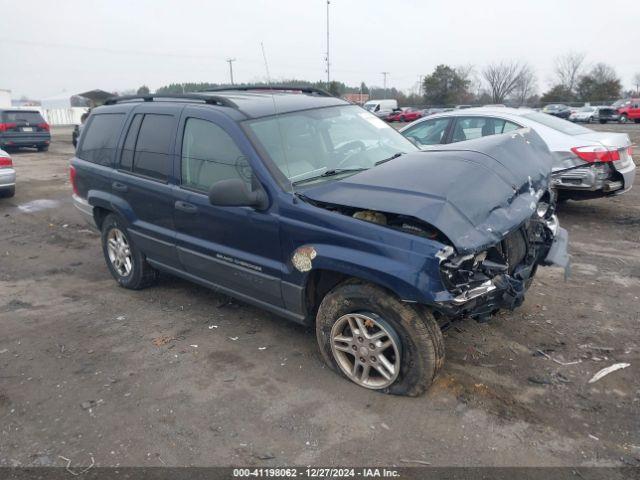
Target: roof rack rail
x=295 y=88
x=209 y=99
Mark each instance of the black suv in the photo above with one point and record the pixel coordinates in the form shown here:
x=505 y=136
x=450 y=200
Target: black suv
x=24 y=128
x=315 y=209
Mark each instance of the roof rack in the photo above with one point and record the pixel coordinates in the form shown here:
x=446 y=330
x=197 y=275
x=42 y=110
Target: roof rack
x=209 y=99
x=245 y=88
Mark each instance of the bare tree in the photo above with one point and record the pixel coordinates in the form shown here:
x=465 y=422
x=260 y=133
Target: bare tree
x=502 y=79
x=469 y=74
x=526 y=86
x=568 y=68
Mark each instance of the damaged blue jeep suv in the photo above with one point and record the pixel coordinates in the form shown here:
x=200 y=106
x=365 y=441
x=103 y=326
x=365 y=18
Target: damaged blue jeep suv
x=300 y=203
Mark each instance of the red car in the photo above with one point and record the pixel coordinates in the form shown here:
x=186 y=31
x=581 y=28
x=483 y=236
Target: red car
x=406 y=115
x=630 y=110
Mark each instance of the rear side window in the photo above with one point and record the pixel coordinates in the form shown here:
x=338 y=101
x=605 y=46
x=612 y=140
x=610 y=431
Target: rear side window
x=557 y=123
x=209 y=155
x=100 y=138
x=147 y=146
x=32 y=118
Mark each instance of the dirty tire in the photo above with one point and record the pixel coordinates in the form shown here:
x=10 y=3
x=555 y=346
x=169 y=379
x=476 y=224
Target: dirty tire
x=420 y=336
x=8 y=192
x=142 y=274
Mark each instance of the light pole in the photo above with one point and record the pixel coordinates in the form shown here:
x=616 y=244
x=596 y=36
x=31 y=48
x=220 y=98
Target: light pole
x=384 y=82
x=230 y=61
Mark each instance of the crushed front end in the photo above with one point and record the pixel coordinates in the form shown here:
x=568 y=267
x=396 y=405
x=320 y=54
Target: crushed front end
x=498 y=277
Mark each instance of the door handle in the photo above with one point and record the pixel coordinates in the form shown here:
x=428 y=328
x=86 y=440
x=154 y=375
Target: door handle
x=119 y=187
x=186 y=207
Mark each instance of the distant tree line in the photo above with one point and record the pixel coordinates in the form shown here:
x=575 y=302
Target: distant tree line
x=508 y=82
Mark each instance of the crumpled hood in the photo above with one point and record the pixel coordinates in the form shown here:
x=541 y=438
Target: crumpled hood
x=474 y=195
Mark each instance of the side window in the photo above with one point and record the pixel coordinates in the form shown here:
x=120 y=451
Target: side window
x=430 y=132
x=468 y=128
x=100 y=138
x=152 y=157
x=510 y=127
x=209 y=155
x=126 y=160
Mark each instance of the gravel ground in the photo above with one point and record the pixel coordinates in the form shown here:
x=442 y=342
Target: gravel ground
x=179 y=375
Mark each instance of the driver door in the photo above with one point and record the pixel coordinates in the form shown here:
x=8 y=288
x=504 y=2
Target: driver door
x=236 y=249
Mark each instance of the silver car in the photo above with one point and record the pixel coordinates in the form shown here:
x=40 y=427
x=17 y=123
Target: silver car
x=587 y=164
x=7 y=176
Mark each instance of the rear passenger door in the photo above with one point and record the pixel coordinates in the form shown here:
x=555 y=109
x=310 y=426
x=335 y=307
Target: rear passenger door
x=235 y=248
x=142 y=183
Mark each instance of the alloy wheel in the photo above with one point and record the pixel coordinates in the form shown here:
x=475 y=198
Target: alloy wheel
x=119 y=252
x=367 y=349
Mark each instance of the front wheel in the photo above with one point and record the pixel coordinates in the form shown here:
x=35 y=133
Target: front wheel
x=377 y=341
x=624 y=119
x=126 y=263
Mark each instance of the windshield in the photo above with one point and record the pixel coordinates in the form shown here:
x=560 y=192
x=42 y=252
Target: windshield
x=312 y=145
x=370 y=106
x=557 y=123
x=587 y=109
x=621 y=103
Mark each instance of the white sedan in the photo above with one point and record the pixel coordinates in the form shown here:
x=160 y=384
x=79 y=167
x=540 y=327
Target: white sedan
x=585 y=114
x=587 y=164
x=7 y=176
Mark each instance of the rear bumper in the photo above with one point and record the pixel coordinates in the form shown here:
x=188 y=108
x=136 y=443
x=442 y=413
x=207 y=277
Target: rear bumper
x=7 y=177
x=85 y=209
x=614 y=178
x=24 y=140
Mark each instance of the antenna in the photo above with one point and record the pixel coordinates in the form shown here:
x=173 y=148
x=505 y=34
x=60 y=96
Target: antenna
x=230 y=62
x=328 y=63
x=275 y=110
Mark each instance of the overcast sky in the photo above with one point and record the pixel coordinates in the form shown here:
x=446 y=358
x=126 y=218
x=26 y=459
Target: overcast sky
x=50 y=47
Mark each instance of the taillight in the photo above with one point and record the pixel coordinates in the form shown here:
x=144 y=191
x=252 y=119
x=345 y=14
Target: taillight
x=7 y=126
x=72 y=178
x=630 y=150
x=596 y=154
x=5 y=162
x=44 y=126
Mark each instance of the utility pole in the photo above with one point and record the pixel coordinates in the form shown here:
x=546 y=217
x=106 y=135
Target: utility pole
x=327 y=58
x=384 y=82
x=230 y=61
x=420 y=77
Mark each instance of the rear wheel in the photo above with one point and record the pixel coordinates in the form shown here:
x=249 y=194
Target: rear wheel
x=603 y=121
x=126 y=263
x=377 y=341
x=7 y=192
x=43 y=148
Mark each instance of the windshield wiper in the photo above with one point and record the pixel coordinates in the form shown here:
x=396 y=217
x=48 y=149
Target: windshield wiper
x=395 y=155
x=330 y=173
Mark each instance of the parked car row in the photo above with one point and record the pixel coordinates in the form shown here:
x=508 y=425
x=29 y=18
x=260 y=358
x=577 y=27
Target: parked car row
x=319 y=211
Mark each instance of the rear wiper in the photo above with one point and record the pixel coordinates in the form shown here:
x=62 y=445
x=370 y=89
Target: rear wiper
x=395 y=155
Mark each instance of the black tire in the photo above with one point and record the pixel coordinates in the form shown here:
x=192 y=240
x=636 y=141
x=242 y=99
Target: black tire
x=43 y=148
x=624 y=118
x=142 y=274
x=637 y=120
x=603 y=121
x=419 y=335
x=7 y=192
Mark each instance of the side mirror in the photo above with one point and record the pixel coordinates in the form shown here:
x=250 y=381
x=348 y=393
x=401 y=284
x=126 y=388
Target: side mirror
x=235 y=193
